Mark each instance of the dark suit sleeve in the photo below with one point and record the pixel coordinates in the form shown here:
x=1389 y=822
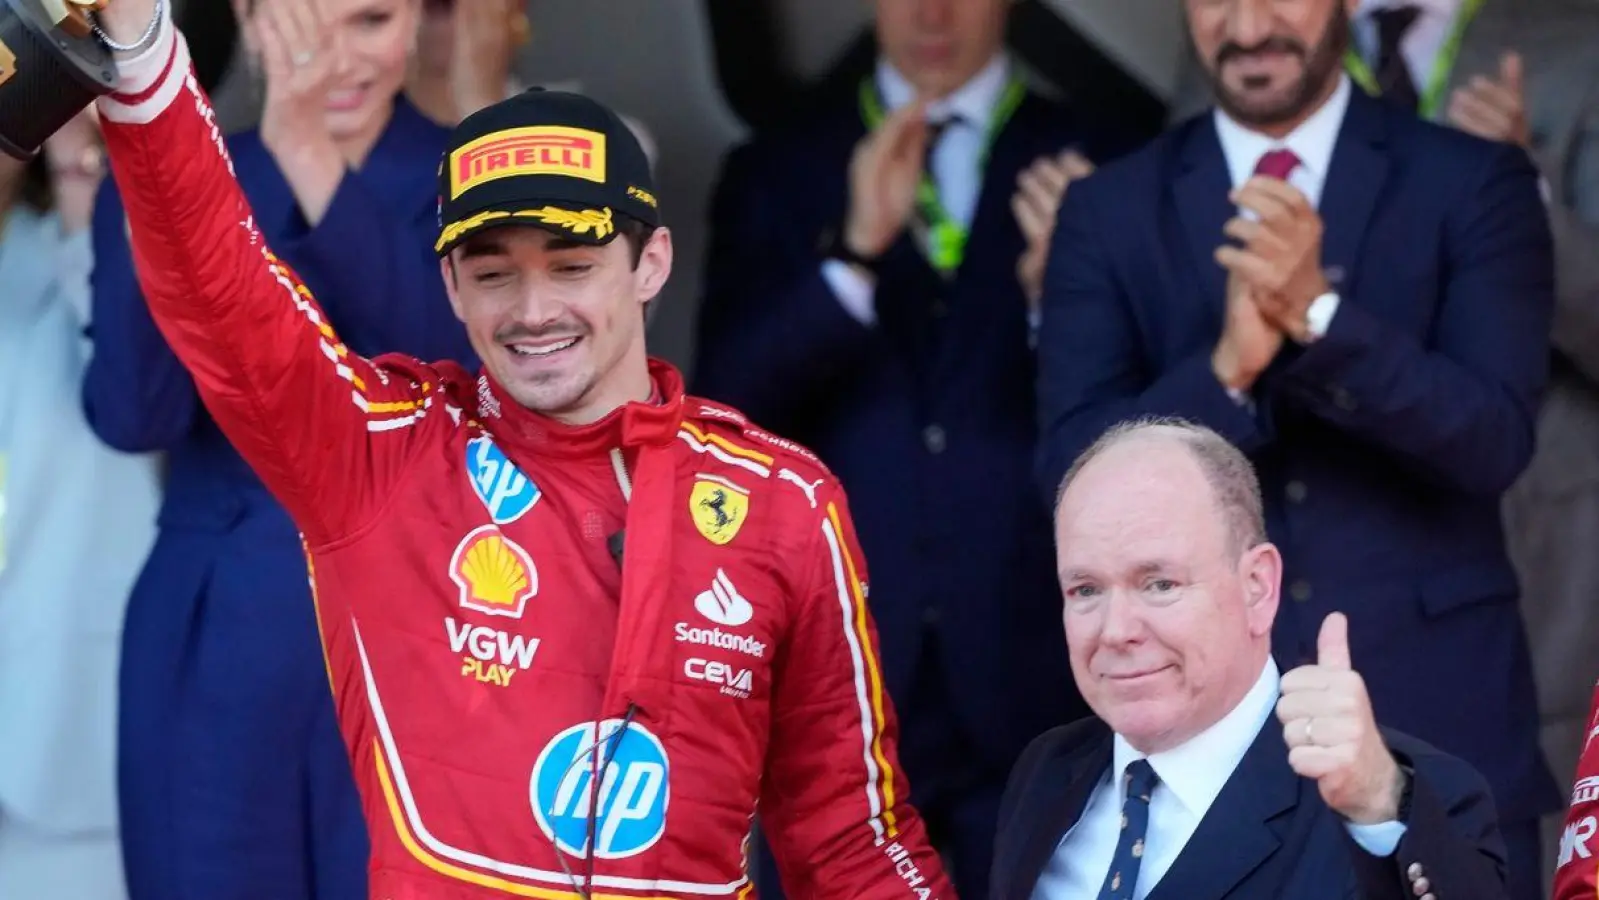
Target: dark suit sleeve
x=376 y=275
x=137 y=396
x=1094 y=368
x=772 y=336
x=1451 y=837
x=1460 y=411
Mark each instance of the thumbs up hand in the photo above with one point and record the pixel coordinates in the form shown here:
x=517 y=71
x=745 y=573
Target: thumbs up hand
x=1332 y=735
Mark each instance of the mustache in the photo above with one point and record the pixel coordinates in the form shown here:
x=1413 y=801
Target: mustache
x=557 y=330
x=1274 y=44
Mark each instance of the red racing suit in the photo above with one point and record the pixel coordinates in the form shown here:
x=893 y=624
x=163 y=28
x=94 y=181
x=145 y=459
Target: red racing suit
x=526 y=716
x=1577 y=867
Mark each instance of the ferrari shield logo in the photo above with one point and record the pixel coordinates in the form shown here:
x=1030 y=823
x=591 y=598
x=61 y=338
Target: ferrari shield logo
x=718 y=507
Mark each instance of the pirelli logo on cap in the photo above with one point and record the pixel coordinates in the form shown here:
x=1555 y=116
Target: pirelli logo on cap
x=547 y=150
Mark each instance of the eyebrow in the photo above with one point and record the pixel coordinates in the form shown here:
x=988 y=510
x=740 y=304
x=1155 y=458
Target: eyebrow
x=1144 y=568
x=483 y=246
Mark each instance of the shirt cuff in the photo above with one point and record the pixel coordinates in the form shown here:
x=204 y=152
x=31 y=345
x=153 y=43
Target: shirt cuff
x=854 y=292
x=1320 y=315
x=1381 y=839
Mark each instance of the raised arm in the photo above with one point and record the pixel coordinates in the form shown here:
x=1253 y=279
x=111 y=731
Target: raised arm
x=326 y=430
x=834 y=807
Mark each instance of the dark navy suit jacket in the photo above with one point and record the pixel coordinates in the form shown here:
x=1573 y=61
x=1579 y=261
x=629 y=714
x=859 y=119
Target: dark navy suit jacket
x=1268 y=835
x=927 y=418
x=1383 y=448
x=225 y=592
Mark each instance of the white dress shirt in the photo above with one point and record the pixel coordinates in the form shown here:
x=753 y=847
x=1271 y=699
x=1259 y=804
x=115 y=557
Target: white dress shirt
x=1313 y=142
x=1191 y=776
x=1421 y=43
x=957 y=164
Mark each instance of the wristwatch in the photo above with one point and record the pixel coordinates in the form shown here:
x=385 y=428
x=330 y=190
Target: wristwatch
x=833 y=246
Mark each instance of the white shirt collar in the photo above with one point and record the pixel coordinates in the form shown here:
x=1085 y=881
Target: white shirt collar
x=1313 y=141
x=973 y=101
x=1196 y=770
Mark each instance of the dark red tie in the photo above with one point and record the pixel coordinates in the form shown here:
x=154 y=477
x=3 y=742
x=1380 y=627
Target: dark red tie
x=1277 y=164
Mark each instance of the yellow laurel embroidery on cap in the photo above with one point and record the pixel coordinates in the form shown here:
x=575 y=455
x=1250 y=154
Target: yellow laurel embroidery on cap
x=576 y=221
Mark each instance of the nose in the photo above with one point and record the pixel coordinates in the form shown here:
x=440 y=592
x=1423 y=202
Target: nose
x=339 y=45
x=1250 y=22
x=1121 y=620
x=935 y=15
x=538 y=309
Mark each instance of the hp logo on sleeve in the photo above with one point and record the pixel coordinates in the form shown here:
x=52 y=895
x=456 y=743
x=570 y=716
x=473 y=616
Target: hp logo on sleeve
x=503 y=488
x=629 y=806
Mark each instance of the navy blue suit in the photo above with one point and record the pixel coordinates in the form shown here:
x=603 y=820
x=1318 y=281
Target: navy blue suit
x=927 y=419
x=1268 y=835
x=234 y=781
x=1382 y=448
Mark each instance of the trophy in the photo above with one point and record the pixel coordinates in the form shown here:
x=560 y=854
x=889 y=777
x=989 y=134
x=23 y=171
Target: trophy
x=52 y=65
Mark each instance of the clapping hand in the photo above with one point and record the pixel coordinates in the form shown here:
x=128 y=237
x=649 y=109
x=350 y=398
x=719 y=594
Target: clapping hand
x=884 y=171
x=1332 y=734
x=486 y=35
x=1494 y=108
x=1040 y=188
x=1280 y=259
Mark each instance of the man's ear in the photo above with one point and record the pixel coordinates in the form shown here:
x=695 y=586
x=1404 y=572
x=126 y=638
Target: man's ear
x=654 y=265
x=451 y=285
x=1261 y=570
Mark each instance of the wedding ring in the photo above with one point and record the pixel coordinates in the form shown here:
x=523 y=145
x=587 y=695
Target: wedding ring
x=1309 y=735
x=303 y=58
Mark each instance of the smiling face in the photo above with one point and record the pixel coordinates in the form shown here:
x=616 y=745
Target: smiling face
x=1167 y=618
x=1270 y=62
x=559 y=324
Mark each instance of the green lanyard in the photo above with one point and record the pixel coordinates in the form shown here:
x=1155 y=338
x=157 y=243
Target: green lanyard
x=1442 y=66
x=946 y=238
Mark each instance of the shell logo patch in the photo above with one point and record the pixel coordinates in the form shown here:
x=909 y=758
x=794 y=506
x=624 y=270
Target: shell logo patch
x=718 y=507
x=495 y=575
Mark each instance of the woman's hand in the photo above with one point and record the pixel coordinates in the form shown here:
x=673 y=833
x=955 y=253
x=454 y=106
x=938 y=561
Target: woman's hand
x=298 y=60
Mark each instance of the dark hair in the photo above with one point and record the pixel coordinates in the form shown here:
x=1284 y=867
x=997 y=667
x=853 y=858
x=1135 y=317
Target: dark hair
x=637 y=234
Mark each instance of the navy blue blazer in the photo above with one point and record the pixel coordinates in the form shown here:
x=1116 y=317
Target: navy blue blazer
x=228 y=558
x=926 y=418
x=1268 y=835
x=1383 y=448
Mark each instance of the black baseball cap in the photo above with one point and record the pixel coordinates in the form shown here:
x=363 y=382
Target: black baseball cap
x=552 y=159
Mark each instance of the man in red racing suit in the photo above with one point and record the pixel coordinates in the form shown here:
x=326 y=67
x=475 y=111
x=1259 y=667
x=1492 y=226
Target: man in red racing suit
x=1577 y=867
x=568 y=658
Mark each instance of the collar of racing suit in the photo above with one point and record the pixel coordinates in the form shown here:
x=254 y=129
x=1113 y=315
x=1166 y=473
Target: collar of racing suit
x=632 y=426
x=640 y=678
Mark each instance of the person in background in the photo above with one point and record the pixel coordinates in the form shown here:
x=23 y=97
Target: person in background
x=76 y=520
x=871 y=282
x=1361 y=301
x=1182 y=785
x=465 y=57
x=234 y=779
x=1523 y=72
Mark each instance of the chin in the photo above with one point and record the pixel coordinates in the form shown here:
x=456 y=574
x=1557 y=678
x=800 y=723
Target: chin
x=1145 y=723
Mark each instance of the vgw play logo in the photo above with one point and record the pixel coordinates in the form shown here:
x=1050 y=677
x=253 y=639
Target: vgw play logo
x=629 y=803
